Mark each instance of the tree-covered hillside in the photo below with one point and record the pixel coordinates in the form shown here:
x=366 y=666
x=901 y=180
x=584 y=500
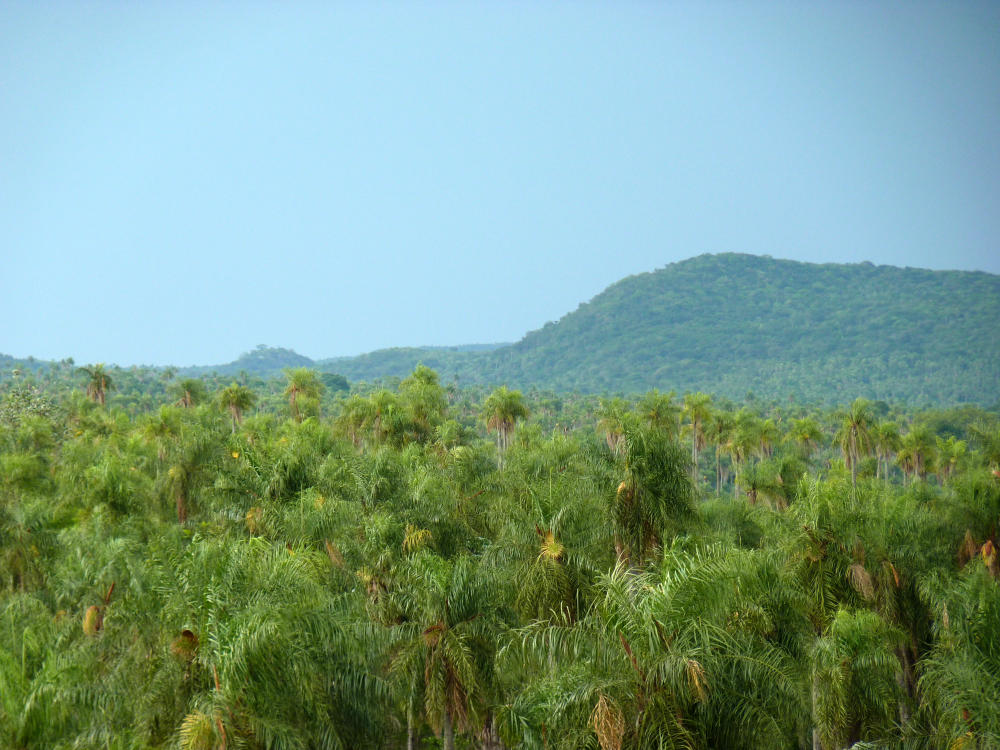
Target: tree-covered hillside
x=732 y=323
x=736 y=323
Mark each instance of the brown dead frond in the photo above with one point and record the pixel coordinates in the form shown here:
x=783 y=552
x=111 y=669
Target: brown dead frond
x=969 y=548
x=609 y=724
x=184 y=646
x=698 y=680
x=861 y=580
x=333 y=553
x=92 y=620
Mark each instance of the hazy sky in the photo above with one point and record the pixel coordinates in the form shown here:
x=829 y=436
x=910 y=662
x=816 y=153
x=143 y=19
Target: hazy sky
x=182 y=181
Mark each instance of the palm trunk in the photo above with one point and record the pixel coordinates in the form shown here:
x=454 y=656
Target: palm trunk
x=694 y=454
x=904 y=679
x=490 y=737
x=816 y=744
x=181 y=507
x=447 y=732
x=411 y=729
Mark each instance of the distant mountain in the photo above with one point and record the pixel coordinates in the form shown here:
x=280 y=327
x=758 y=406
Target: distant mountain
x=728 y=324
x=735 y=323
x=732 y=323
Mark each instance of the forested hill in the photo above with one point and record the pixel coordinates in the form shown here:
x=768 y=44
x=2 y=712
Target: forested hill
x=731 y=323
x=728 y=324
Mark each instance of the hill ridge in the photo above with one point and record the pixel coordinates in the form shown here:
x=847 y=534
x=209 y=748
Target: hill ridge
x=729 y=323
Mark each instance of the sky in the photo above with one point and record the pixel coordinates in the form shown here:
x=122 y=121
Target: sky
x=180 y=182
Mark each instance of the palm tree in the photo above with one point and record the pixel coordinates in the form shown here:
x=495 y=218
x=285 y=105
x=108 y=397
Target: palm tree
x=424 y=400
x=98 y=383
x=669 y=661
x=237 y=398
x=698 y=410
x=448 y=629
x=743 y=442
x=356 y=414
x=917 y=452
x=302 y=383
x=767 y=436
x=950 y=454
x=191 y=392
x=654 y=497
x=502 y=409
x=885 y=438
x=762 y=481
x=854 y=674
x=719 y=431
x=959 y=675
x=612 y=416
x=659 y=411
x=806 y=435
x=855 y=436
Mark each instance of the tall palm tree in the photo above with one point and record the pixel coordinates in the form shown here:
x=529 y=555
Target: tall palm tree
x=237 y=399
x=302 y=383
x=767 y=436
x=659 y=411
x=98 y=383
x=670 y=661
x=743 y=443
x=806 y=434
x=450 y=617
x=917 y=452
x=698 y=410
x=654 y=497
x=886 y=441
x=356 y=413
x=424 y=401
x=854 y=673
x=719 y=431
x=502 y=410
x=612 y=415
x=191 y=392
x=855 y=436
x=950 y=454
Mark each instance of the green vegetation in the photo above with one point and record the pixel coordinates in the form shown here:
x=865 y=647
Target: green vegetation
x=730 y=325
x=203 y=563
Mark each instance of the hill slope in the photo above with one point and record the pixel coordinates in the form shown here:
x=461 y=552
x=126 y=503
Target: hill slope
x=728 y=324
x=734 y=323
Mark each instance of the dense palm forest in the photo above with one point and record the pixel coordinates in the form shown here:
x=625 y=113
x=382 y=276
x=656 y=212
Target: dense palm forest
x=206 y=563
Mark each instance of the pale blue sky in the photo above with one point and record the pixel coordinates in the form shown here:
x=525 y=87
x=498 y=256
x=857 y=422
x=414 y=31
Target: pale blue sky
x=182 y=181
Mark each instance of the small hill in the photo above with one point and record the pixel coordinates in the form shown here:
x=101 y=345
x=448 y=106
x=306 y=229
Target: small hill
x=727 y=324
x=731 y=324
x=265 y=361
x=734 y=323
x=462 y=362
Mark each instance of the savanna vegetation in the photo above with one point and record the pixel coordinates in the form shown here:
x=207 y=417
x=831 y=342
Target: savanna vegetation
x=200 y=563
